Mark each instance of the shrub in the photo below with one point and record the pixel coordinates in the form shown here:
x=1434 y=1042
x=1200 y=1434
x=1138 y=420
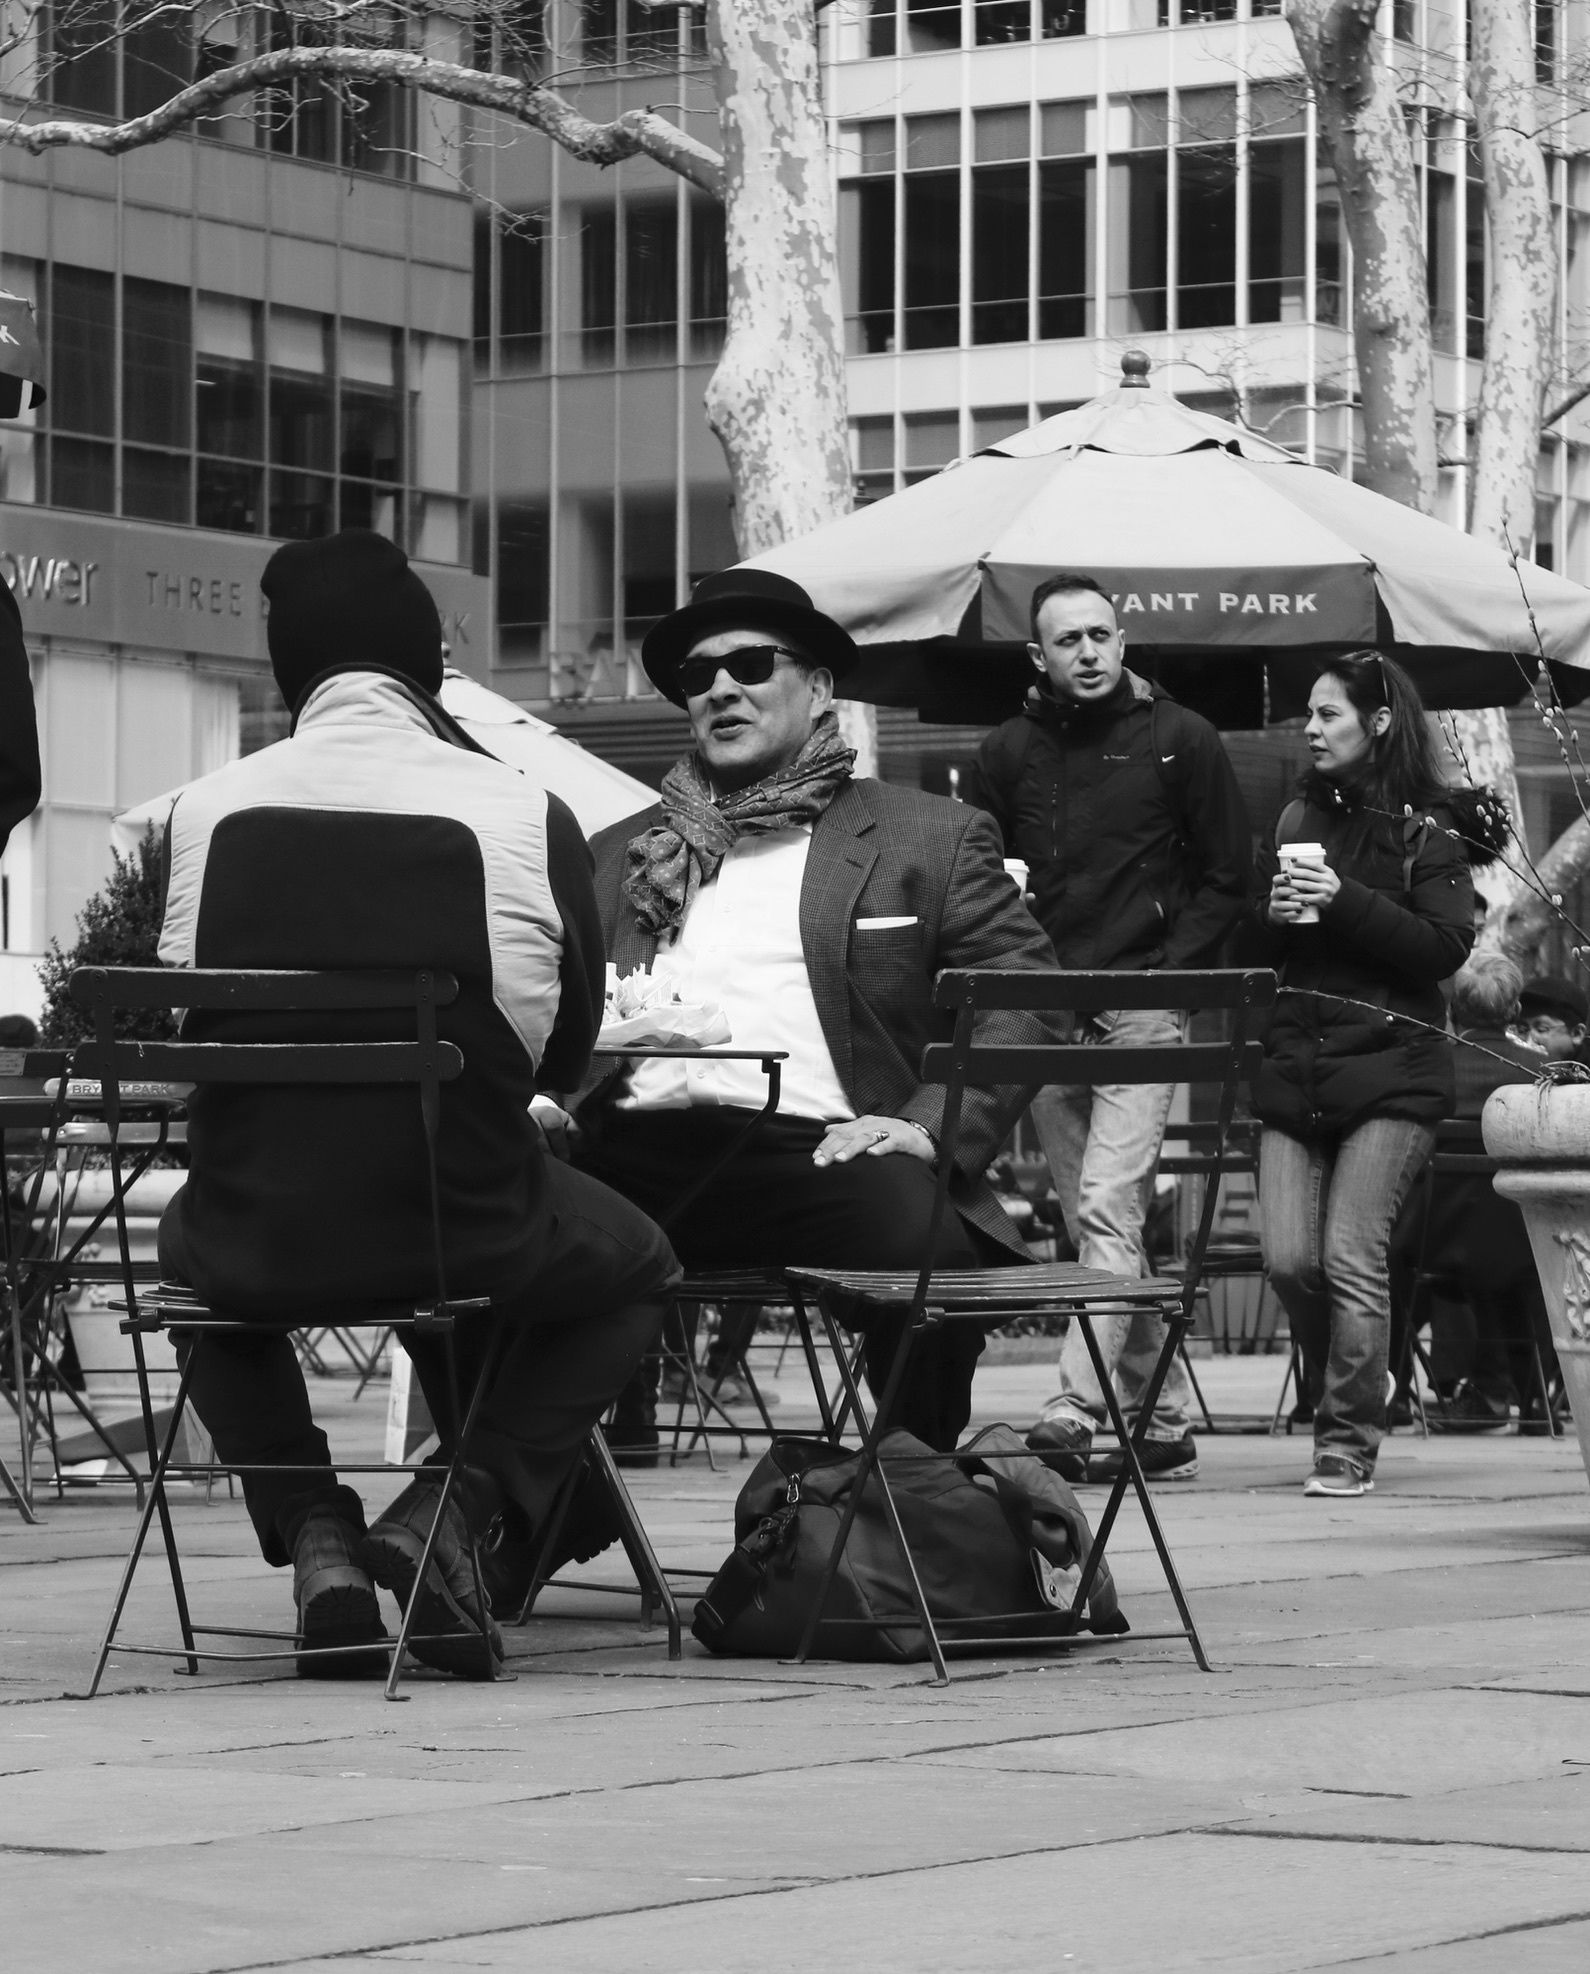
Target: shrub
x=119 y=926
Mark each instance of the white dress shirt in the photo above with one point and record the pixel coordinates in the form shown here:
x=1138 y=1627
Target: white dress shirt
x=740 y=946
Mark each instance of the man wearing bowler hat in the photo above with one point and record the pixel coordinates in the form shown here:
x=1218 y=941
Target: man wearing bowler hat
x=817 y=908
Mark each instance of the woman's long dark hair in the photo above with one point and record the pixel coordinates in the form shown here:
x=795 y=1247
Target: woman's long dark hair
x=1403 y=769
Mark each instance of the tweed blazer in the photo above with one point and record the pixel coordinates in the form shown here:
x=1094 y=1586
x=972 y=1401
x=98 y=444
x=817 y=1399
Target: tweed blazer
x=881 y=851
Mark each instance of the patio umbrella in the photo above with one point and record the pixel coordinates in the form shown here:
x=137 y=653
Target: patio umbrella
x=1232 y=564
x=597 y=792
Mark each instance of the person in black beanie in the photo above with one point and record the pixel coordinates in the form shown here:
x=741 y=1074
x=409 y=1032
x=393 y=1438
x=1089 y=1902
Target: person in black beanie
x=348 y=603
x=365 y=839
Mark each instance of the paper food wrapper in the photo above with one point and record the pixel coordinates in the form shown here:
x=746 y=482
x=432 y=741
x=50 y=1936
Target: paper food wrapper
x=643 y=1013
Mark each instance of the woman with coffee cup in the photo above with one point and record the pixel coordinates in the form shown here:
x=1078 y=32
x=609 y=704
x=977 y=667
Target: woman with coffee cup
x=1367 y=907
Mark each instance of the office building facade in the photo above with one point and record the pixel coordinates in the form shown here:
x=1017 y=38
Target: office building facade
x=257 y=332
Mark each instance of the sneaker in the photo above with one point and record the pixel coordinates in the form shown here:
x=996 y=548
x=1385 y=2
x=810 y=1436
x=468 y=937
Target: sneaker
x=448 y=1622
x=1470 y=1410
x=1335 y=1474
x=1063 y=1444
x=1160 y=1459
x=337 y=1604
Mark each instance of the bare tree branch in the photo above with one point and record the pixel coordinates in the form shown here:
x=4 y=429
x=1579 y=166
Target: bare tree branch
x=1564 y=405
x=634 y=133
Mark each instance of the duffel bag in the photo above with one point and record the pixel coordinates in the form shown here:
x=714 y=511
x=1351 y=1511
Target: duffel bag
x=996 y=1538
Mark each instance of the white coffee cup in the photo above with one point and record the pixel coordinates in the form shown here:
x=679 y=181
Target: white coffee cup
x=1018 y=872
x=1313 y=855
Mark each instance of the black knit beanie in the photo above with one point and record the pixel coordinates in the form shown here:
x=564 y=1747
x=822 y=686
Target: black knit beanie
x=344 y=603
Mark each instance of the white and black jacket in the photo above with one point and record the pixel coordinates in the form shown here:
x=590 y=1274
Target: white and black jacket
x=370 y=838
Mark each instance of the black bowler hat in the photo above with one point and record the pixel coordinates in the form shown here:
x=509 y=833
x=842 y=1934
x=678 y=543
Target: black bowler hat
x=344 y=603
x=744 y=600
x=1553 y=994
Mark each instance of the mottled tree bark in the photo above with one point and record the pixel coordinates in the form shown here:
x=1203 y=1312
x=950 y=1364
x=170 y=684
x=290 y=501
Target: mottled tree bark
x=777 y=398
x=1519 y=320
x=1360 y=124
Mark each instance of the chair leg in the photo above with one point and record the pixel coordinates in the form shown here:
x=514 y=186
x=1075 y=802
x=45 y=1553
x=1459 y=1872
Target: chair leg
x=1197 y=1389
x=654 y=1585
x=1132 y=1471
x=1292 y=1375
x=869 y=1466
x=153 y=1504
x=8 y=1481
x=19 y=1372
x=813 y=1369
x=1543 y=1386
x=461 y=1437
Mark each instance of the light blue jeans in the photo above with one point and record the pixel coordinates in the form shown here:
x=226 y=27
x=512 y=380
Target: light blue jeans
x=1102 y=1144
x=1328 y=1210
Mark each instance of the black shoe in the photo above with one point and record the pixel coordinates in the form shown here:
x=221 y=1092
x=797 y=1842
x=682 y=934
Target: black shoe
x=1471 y=1410
x=591 y=1525
x=632 y=1431
x=1160 y=1459
x=337 y=1604
x=1063 y=1444
x=447 y=1620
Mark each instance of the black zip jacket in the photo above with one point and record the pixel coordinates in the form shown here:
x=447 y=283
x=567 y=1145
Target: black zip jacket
x=1338 y=1050
x=1130 y=820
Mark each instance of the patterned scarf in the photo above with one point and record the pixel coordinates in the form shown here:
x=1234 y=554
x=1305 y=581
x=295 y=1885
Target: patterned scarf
x=669 y=864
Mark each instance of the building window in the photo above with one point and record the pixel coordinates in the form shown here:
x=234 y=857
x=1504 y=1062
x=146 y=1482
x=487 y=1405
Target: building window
x=1206 y=208
x=509 y=296
x=866 y=237
x=709 y=278
x=300 y=425
x=1001 y=198
x=524 y=584
x=156 y=400
x=598 y=284
x=931 y=268
x=79 y=56
x=1138 y=194
x=1066 y=235
x=651 y=282
x=370 y=427
x=82 y=402
x=230 y=378
x=365 y=126
x=872 y=458
x=932 y=440
x=625 y=33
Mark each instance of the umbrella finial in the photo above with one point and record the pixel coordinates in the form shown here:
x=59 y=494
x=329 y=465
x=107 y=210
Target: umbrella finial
x=1134 y=371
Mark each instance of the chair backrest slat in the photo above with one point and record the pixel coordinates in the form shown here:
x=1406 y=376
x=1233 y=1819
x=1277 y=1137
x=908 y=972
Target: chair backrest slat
x=274 y=1063
x=1057 y=990
x=1077 y=1064
x=256 y=991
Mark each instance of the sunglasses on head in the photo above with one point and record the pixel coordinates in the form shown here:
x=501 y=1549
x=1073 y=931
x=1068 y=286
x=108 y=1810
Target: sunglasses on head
x=752 y=664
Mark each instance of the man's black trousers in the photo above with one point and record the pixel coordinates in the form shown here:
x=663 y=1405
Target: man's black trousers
x=571 y=1341
x=771 y=1207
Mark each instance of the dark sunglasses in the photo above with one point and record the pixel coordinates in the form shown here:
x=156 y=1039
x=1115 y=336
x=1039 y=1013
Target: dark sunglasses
x=752 y=664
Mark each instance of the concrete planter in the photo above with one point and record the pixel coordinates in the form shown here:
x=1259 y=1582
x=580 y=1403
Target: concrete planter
x=1539 y=1134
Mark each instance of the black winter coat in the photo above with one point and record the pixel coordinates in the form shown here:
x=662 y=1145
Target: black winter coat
x=1402 y=922
x=1131 y=823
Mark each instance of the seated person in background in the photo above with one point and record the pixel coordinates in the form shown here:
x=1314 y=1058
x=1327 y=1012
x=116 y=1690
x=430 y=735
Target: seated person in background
x=1475 y=1238
x=1552 y=1013
x=379 y=835
x=817 y=909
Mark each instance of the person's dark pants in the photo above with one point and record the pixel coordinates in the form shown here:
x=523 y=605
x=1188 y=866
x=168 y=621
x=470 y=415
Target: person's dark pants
x=770 y=1207
x=568 y=1345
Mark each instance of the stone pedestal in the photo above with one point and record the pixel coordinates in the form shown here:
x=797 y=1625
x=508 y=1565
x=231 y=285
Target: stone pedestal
x=1539 y=1135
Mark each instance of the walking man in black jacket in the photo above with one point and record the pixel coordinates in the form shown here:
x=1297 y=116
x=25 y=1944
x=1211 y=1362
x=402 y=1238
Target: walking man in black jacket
x=1125 y=808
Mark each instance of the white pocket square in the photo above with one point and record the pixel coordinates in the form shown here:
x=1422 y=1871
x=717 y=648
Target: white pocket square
x=886 y=924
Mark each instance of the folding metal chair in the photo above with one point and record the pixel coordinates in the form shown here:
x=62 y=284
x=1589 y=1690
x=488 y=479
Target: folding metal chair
x=424 y=1065
x=992 y=1294
x=59 y=1116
